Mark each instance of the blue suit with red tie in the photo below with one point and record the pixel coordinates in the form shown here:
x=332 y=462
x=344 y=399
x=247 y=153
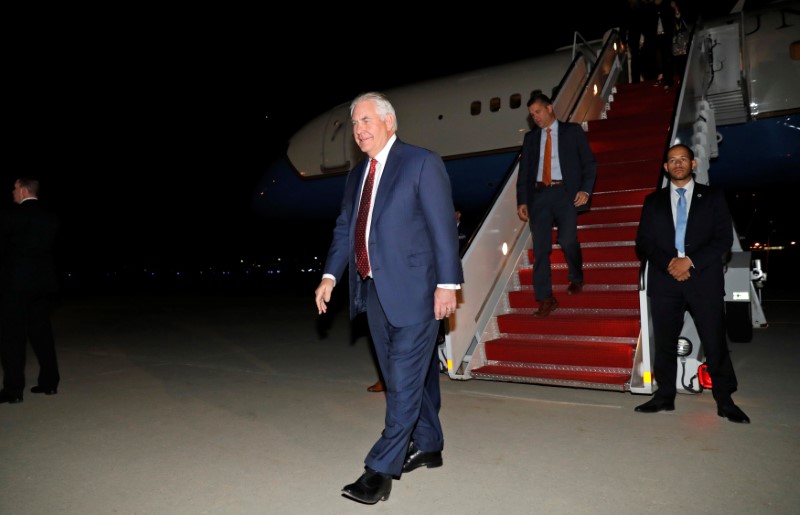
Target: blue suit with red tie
x=413 y=247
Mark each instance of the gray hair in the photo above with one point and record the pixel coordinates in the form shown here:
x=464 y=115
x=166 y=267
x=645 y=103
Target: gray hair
x=382 y=105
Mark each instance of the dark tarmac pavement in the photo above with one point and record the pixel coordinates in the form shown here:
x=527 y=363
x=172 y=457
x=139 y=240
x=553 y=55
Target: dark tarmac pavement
x=240 y=405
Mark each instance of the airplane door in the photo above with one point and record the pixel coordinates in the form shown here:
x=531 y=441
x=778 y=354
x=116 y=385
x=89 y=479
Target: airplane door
x=337 y=141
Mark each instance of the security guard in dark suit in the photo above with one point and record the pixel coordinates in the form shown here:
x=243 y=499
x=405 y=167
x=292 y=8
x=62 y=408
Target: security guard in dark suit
x=684 y=233
x=27 y=284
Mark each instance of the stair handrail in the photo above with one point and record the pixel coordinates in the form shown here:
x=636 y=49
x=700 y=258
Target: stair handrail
x=493 y=250
x=488 y=263
x=579 y=44
x=598 y=86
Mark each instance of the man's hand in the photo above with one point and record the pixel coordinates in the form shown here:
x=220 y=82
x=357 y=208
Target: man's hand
x=522 y=212
x=322 y=295
x=679 y=268
x=444 y=303
x=581 y=198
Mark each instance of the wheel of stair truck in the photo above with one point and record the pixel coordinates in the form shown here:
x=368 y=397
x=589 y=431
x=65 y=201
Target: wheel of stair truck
x=738 y=321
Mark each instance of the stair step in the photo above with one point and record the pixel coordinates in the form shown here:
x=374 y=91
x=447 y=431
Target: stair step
x=630 y=182
x=641 y=88
x=628 y=274
x=632 y=153
x=627 y=144
x=660 y=103
x=568 y=353
x=595 y=324
x=660 y=109
x=595 y=233
x=588 y=379
x=607 y=132
x=614 y=252
x=634 y=121
x=647 y=167
x=624 y=214
x=634 y=197
x=588 y=299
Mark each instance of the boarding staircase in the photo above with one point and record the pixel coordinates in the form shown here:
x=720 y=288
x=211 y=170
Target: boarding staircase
x=591 y=340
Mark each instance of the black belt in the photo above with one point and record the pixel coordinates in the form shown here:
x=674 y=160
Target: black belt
x=540 y=184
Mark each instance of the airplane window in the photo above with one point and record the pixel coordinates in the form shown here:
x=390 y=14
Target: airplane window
x=494 y=104
x=515 y=101
x=475 y=108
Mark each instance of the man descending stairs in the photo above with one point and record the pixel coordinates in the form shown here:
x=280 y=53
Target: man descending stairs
x=590 y=339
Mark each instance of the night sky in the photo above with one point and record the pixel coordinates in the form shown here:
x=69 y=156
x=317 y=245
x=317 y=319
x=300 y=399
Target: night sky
x=150 y=131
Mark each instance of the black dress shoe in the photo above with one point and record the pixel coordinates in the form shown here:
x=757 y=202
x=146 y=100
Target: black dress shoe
x=44 y=390
x=370 y=488
x=416 y=459
x=10 y=397
x=546 y=307
x=574 y=288
x=655 y=405
x=732 y=412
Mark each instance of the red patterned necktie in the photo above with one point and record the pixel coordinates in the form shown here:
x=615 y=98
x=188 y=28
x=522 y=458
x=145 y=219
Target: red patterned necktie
x=548 y=157
x=362 y=259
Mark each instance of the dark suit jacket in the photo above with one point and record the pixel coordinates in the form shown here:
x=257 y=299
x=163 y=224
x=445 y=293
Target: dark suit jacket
x=27 y=238
x=578 y=165
x=649 y=16
x=709 y=236
x=413 y=243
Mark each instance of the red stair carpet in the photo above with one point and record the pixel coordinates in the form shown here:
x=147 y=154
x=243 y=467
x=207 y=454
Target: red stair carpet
x=590 y=340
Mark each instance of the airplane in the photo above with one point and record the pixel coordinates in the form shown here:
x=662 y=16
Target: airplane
x=736 y=107
x=476 y=121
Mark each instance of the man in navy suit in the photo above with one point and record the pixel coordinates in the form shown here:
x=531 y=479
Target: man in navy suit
x=689 y=278
x=403 y=272
x=552 y=186
x=27 y=283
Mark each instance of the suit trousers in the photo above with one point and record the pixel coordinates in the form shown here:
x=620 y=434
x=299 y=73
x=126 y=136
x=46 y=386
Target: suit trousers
x=25 y=316
x=411 y=376
x=709 y=319
x=550 y=206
